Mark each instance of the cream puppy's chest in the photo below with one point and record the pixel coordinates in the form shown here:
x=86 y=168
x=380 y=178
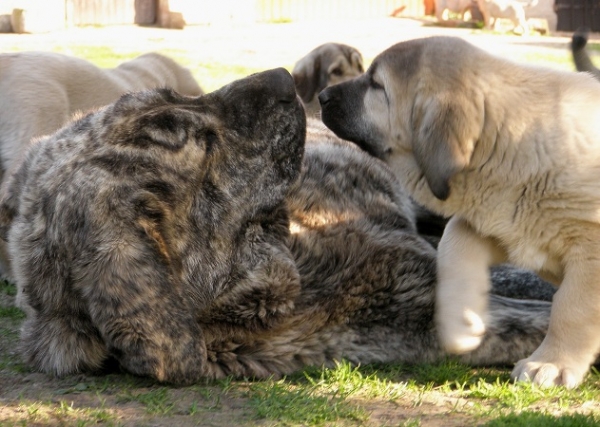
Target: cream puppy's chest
x=537 y=259
x=537 y=243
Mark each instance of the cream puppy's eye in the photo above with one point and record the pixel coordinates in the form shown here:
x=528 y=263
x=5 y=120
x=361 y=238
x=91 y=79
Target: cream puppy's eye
x=375 y=84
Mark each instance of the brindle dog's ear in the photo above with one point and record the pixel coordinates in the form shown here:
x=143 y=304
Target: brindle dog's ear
x=306 y=76
x=443 y=140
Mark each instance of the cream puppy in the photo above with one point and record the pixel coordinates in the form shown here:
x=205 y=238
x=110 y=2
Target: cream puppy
x=512 y=153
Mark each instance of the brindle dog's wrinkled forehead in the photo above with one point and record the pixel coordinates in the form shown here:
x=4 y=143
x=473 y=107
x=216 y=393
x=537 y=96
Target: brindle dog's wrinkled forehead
x=269 y=95
x=244 y=104
x=253 y=116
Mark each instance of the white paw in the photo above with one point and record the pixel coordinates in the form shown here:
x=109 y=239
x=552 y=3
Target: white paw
x=546 y=374
x=460 y=333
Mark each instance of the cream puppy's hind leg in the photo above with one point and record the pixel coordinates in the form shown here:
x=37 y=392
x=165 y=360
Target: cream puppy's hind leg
x=572 y=342
x=464 y=258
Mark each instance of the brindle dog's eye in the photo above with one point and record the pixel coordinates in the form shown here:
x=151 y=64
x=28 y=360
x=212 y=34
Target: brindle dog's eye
x=337 y=72
x=211 y=138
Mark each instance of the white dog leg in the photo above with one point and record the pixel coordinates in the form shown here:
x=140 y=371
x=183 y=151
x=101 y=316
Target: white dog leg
x=572 y=342
x=464 y=258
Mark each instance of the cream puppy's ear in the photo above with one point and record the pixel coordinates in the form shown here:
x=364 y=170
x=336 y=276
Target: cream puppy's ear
x=445 y=128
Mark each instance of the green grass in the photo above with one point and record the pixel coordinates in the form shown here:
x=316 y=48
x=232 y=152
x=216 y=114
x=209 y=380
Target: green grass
x=61 y=413
x=7 y=288
x=156 y=401
x=12 y=313
x=341 y=395
x=307 y=404
x=593 y=46
x=210 y=75
x=536 y=419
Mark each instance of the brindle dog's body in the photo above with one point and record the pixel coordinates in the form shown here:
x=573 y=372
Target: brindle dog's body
x=185 y=238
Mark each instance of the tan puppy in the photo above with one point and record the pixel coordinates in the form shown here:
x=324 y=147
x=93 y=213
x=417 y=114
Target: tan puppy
x=40 y=91
x=512 y=153
x=326 y=65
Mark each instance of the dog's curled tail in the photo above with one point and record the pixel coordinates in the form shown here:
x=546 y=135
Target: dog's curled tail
x=580 y=38
x=580 y=54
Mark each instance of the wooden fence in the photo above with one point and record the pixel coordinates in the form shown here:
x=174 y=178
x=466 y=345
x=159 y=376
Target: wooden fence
x=573 y=14
x=100 y=12
x=64 y=13
x=301 y=10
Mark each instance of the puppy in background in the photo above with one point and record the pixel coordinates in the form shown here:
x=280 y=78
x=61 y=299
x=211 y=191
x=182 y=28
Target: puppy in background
x=40 y=91
x=492 y=10
x=326 y=65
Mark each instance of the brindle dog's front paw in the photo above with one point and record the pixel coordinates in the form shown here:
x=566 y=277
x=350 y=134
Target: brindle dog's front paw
x=259 y=301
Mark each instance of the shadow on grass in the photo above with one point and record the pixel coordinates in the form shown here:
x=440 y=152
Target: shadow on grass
x=536 y=419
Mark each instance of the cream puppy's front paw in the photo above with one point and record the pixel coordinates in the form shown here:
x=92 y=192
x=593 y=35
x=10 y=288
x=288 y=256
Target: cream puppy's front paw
x=463 y=283
x=548 y=374
x=460 y=332
x=549 y=366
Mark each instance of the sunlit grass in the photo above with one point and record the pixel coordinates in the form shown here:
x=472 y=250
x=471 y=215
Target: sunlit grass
x=61 y=413
x=342 y=394
x=156 y=401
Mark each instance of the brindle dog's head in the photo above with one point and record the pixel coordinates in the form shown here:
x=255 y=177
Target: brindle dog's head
x=152 y=216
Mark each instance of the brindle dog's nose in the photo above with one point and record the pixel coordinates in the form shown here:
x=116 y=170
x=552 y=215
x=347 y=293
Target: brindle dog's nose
x=281 y=83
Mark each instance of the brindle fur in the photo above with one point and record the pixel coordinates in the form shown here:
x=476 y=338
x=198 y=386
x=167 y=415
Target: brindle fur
x=186 y=238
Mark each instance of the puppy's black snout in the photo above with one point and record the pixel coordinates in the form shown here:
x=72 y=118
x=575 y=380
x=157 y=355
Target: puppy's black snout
x=324 y=96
